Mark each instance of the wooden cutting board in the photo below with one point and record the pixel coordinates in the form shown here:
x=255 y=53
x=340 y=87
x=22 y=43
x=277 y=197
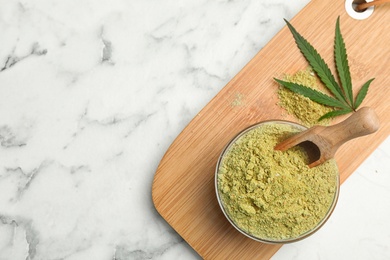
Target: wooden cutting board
x=183 y=187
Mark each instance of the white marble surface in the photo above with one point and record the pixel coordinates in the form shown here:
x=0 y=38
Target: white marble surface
x=91 y=95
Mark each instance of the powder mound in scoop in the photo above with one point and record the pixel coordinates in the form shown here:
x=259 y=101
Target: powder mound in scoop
x=270 y=194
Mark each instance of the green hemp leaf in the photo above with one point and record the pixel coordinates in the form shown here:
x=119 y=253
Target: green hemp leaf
x=342 y=95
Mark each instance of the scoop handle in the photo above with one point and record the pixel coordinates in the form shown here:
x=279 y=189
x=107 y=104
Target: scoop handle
x=363 y=122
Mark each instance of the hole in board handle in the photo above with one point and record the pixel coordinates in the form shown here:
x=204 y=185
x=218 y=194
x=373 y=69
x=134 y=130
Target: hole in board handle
x=355 y=4
x=351 y=8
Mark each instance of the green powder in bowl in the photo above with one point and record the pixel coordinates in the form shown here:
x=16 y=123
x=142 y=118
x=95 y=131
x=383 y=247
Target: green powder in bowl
x=273 y=196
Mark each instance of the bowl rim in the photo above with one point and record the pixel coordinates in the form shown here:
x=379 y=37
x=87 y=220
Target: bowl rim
x=264 y=240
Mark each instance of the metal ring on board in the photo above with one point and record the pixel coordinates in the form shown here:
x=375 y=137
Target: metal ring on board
x=355 y=14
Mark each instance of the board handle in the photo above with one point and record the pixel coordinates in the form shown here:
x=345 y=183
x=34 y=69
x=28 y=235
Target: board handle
x=364 y=5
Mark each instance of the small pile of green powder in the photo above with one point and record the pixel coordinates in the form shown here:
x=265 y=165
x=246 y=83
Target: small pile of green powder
x=305 y=110
x=270 y=194
x=239 y=100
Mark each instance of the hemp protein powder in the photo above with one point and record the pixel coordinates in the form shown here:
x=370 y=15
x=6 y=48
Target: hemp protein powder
x=274 y=195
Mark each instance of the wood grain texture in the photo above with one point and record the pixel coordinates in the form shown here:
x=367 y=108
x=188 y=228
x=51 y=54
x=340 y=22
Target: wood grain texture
x=183 y=188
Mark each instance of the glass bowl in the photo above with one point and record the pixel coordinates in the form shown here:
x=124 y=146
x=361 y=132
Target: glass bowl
x=269 y=240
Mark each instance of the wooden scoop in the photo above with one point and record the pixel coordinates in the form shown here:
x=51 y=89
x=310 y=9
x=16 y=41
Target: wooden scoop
x=322 y=142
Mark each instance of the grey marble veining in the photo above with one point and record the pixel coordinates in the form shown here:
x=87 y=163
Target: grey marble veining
x=92 y=93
